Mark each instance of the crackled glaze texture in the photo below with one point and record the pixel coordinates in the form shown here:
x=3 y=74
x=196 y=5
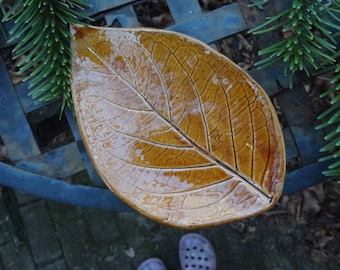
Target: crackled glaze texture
x=174 y=128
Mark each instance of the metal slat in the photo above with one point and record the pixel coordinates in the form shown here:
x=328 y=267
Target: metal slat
x=97 y=6
x=14 y=129
x=182 y=10
x=125 y=15
x=95 y=178
x=213 y=25
x=59 y=163
x=301 y=120
x=60 y=191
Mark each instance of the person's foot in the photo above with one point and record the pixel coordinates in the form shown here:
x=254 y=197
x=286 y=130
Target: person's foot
x=152 y=264
x=196 y=253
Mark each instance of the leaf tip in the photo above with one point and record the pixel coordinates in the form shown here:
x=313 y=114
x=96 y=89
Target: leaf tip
x=78 y=31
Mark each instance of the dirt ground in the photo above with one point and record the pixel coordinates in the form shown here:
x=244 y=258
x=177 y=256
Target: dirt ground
x=301 y=232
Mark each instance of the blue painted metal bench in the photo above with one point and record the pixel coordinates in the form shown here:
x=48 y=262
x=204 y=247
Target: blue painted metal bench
x=32 y=170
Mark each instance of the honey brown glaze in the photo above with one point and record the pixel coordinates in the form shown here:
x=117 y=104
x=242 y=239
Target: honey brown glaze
x=174 y=128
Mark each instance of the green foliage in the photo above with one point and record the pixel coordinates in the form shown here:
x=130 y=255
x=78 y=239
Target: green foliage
x=331 y=120
x=308 y=25
x=258 y=3
x=43 y=51
x=312 y=28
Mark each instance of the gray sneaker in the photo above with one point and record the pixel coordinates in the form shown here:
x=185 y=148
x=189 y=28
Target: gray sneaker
x=152 y=264
x=196 y=253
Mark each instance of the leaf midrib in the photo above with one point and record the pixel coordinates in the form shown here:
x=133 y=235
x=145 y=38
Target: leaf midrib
x=229 y=169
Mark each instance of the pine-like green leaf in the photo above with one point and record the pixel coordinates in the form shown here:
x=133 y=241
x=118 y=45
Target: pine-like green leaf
x=334 y=165
x=42 y=30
